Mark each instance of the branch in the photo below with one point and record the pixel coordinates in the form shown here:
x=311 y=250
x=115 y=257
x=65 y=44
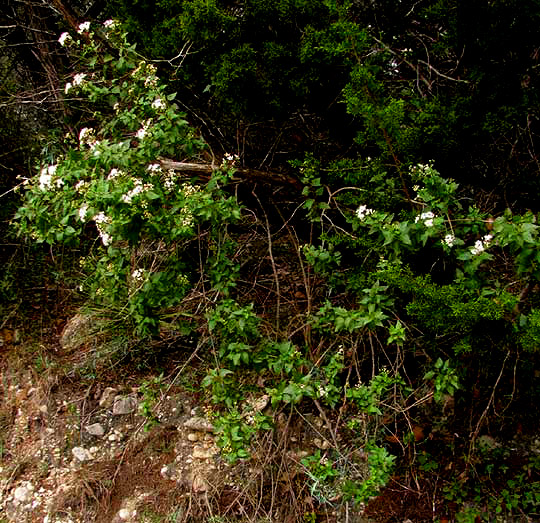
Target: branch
x=241 y=174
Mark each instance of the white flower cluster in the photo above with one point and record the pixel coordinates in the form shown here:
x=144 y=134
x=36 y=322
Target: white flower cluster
x=186 y=218
x=151 y=79
x=46 y=176
x=143 y=131
x=115 y=173
x=229 y=157
x=322 y=391
x=158 y=104
x=83 y=28
x=363 y=211
x=170 y=180
x=138 y=275
x=146 y=71
x=87 y=136
x=449 y=240
x=481 y=245
x=154 y=168
x=78 y=80
x=189 y=189
x=82 y=212
x=427 y=218
x=65 y=38
x=80 y=185
x=422 y=168
x=101 y=221
x=109 y=24
x=139 y=188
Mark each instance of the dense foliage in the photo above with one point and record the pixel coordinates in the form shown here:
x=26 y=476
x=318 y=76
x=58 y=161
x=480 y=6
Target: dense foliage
x=397 y=294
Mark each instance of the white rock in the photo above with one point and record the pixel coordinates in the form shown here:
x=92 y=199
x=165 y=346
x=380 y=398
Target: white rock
x=23 y=493
x=202 y=453
x=95 y=429
x=81 y=453
x=124 y=405
x=107 y=397
x=193 y=436
x=199 y=423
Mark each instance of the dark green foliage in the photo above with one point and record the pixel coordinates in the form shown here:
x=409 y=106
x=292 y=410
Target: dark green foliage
x=451 y=81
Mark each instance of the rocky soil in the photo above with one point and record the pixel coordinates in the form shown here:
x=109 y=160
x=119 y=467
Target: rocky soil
x=81 y=449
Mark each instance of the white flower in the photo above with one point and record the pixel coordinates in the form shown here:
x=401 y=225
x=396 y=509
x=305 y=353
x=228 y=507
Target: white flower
x=478 y=248
x=142 y=132
x=170 y=180
x=44 y=180
x=64 y=38
x=449 y=240
x=138 y=274
x=363 y=211
x=85 y=26
x=82 y=212
x=101 y=218
x=45 y=177
x=481 y=245
x=138 y=189
x=59 y=182
x=115 y=173
x=105 y=238
x=231 y=157
x=79 y=78
x=79 y=185
x=426 y=217
x=150 y=81
x=158 y=104
x=109 y=24
x=86 y=135
x=68 y=86
x=154 y=167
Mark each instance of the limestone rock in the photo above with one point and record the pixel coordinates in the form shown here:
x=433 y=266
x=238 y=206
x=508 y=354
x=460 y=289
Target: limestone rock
x=78 y=331
x=23 y=493
x=199 y=423
x=81 y=453
x=107 y=398
x=204 y=453
x=96 y=429
x=124 y=405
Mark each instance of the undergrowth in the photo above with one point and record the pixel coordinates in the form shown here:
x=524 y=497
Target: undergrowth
x=403 y=315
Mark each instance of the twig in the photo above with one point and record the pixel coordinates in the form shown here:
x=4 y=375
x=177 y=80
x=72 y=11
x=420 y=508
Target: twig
x=272 y=261
x=490 y=402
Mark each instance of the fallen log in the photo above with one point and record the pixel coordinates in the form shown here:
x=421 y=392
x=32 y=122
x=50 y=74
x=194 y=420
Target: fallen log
x=240 y=174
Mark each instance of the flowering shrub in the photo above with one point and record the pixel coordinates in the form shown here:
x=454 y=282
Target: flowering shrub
x=386 y=280
x=108 y=180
